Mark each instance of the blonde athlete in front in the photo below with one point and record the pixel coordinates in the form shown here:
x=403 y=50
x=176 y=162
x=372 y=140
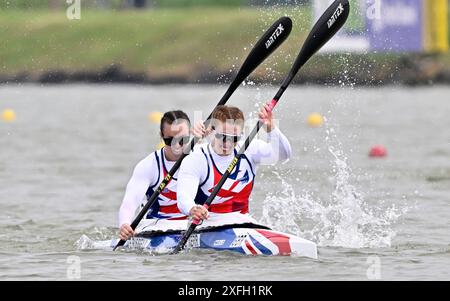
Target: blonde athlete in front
x=203 y=168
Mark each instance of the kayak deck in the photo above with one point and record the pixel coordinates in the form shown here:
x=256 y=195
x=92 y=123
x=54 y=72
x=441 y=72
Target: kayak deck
x=222 y=232
x=247 y=239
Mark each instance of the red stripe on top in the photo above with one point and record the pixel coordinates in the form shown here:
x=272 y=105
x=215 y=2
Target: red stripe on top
x=177 y=218
x=171 y=195
x=280 y=240
x=238 y=201
x=233 y=205
x=169 y=209
x=249 y=246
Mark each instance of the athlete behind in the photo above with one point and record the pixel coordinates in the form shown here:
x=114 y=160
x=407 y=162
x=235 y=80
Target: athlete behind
x=150 y=172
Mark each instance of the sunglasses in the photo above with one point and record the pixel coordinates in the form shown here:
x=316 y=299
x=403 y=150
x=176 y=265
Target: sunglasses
x=179 y=140
x=226 y=137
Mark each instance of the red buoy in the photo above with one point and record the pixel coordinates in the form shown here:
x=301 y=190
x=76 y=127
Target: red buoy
x=378 y=151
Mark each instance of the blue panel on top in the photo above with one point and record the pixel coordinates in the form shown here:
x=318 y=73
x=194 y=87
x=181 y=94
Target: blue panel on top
x=219 y=240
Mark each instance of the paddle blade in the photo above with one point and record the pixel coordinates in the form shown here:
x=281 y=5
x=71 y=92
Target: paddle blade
x=119 y=244
x=265 y=46
x=325 y=28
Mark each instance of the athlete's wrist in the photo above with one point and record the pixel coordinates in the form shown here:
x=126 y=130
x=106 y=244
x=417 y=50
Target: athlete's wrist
x=270 y=127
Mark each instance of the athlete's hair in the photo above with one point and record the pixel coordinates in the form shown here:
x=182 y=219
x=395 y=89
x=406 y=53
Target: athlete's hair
x=227 y=113
x=173 y=116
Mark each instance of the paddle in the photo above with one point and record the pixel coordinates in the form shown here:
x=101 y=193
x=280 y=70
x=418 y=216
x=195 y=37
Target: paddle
x=325 y=28
x=266 y=45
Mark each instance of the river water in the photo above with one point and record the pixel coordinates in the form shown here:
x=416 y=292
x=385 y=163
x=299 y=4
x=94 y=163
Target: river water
x=65 y=162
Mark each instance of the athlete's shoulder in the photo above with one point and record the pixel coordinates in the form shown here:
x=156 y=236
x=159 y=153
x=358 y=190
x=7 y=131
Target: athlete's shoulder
x=198 y=153
x=196 y=157
x=200 y=147
x=149 y=161
x=255 y=145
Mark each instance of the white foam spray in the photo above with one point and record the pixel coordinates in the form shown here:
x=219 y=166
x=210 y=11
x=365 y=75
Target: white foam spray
x=342 y=220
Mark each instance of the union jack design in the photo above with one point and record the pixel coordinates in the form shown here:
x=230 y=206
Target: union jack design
x=248 y=241
x=235 y=193
x=166 y=207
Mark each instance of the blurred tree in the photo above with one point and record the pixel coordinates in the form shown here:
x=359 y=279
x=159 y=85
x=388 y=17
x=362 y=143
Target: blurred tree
x=54 y=4
x=140 y=3
x=123 y=4
x=277 y=2
x=190 y=3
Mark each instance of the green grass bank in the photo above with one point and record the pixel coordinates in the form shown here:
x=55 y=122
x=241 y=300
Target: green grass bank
x=182 y=45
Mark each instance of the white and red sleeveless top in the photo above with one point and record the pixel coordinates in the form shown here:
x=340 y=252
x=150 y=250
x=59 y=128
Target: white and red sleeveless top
x=235 y=193
x=166 y=206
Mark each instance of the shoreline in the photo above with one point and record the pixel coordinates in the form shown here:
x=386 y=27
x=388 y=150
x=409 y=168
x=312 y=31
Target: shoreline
x=117 y=75
x=187 y=46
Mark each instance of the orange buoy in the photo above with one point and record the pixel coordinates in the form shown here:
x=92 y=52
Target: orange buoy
x=378 y=151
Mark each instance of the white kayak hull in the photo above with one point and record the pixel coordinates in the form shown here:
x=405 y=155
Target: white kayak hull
x=237 y=238
x=222 y=232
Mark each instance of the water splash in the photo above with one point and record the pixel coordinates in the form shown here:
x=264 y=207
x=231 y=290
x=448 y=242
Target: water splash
x=105 y=238
x=344 y=220
x=96 y=238
x=85 y=243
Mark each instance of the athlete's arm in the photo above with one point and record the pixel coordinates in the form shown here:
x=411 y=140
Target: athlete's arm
x=277 y=148
x=193 y=171
x=144 y=174
x=279 y=144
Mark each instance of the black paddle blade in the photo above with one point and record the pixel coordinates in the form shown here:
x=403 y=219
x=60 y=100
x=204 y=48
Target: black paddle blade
x=325 y=28
x=266 y=45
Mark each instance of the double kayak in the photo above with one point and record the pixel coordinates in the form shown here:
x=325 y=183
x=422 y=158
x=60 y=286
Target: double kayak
x=240 y=234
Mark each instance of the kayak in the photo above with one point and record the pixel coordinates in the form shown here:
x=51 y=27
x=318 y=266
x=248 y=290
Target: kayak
x=244 y=236
x=247 y=239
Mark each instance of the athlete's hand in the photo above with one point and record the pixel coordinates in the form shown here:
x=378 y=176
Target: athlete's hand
x=199 y=212
x=266 y=116
x=125 y=232
x=199 y=129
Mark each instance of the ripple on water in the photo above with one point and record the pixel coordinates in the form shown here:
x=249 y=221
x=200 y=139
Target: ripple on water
x=69 y=181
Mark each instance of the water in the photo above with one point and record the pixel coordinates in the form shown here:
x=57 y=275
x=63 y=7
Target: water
x=66 y=160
